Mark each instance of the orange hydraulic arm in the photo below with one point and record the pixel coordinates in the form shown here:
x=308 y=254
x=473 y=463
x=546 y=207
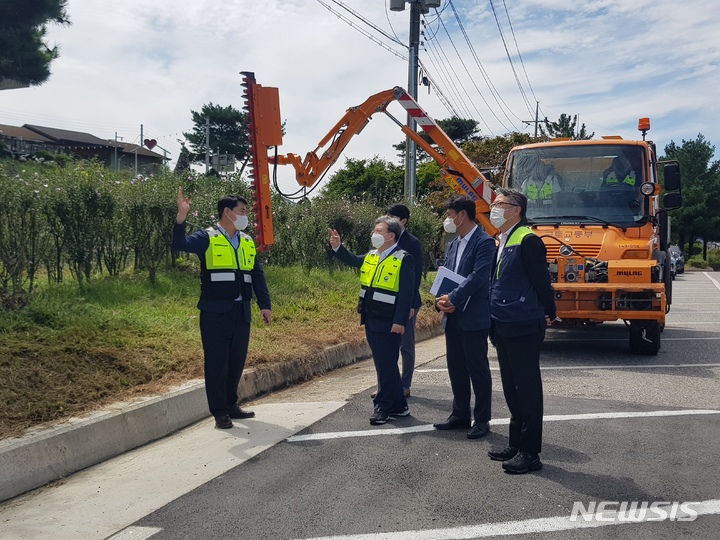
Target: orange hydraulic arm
x=265 y=131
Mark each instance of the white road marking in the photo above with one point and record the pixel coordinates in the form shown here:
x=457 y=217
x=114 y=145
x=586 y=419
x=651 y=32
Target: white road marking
x=511 y=528
x=715 y=282
x=623 y=366
x=135 y=533
x=500 y=421
x=127 y=488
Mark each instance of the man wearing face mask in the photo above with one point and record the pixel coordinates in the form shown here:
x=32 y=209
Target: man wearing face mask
x=387 y=291
x=466 y=319
x=522 y=305
x=412 y=245
x=229 y=274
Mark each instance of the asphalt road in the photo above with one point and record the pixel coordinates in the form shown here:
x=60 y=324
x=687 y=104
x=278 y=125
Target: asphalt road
x=619 y=429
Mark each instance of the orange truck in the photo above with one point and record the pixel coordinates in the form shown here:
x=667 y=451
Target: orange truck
x=596 y=205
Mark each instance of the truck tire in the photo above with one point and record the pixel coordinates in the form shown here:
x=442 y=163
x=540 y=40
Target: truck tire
x=645 y=337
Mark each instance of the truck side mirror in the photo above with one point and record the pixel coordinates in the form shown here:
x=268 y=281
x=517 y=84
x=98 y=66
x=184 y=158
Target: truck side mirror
x=672 y=201
x=671 y=172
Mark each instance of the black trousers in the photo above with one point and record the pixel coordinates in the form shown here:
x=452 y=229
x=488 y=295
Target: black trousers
x=385 y=347
x=519 y=358
x=225 y=338
x=467 y=364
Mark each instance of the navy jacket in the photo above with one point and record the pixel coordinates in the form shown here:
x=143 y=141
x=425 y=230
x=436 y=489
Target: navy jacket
x=471 y=298
x=198 y=243
x=532 y=265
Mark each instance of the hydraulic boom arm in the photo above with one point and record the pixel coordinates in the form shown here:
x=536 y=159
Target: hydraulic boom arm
x=265 y=132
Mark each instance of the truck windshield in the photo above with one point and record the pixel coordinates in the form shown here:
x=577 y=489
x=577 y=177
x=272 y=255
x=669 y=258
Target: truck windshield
x=597 y=183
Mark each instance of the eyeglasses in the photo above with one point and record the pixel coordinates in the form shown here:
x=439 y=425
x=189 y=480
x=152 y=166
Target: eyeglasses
x=501 y=204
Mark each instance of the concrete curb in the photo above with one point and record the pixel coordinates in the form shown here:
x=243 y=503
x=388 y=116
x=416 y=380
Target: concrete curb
x=47 y=455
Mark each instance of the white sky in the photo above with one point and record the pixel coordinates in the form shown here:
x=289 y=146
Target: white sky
x=123 y=64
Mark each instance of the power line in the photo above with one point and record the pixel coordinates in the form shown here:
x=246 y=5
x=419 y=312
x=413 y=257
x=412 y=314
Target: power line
x=468 y=72
x=512 y=31
x=366 y=21
x=493 y=91
x=363 y=32
x=453 y=79
x=507 y=53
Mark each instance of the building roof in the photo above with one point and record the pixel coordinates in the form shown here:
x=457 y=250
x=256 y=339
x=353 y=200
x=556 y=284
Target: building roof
x=72 y=139
x=16 y=132
x=130 y=148
x=67 y=137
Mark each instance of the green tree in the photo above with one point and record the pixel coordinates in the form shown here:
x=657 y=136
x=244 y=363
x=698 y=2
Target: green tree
x=460 y=130
x=228 y=132
x=699 y=216
x=375 y=180
x=564 y=127
x=25 y=54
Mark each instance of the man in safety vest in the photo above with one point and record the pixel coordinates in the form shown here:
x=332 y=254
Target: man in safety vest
x=229 y=274
x=522 y=305
x=537 y=180
x=387 y=289
x=620 y=174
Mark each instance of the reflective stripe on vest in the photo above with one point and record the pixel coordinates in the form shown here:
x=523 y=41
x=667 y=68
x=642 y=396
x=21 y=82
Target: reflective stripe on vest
x=545 y=192
x=515 y=239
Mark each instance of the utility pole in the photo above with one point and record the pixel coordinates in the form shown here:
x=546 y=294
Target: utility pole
x=536 y=121
x=207 y=145
x=417 y=7
x=116 y=161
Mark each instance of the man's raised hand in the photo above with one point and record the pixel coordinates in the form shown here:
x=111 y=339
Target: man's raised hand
x=183 y=204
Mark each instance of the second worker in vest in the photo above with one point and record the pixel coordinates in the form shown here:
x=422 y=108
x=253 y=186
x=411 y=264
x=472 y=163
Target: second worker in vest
x=387 y=291
x=229 y=274
x=522 y=305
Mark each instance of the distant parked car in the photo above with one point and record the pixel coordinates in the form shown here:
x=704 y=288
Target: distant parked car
x=677 y=256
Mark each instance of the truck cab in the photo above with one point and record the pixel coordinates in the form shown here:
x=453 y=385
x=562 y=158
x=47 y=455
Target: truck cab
x=596 y=205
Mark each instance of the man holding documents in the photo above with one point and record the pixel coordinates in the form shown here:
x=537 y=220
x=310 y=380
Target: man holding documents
x=462 y=289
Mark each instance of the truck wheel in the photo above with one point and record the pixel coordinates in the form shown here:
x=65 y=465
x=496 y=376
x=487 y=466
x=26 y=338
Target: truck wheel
x=645 y=338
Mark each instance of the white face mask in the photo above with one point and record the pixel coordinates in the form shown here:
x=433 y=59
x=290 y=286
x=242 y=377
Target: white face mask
x=240 y=222
x=377 y=240
x=449 y=225
x=497 y=217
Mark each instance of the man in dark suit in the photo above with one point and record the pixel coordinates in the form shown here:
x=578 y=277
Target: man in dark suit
x=466 y=319
x=412 y=245
x=522 y=305
x=387 y=289
x=229 y=274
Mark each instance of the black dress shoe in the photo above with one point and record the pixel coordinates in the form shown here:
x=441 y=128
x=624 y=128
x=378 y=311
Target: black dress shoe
x=453 y=422
x=223 y=422
x=237 y=412
x=504 y=454
x=480 y=429
x=522 y=463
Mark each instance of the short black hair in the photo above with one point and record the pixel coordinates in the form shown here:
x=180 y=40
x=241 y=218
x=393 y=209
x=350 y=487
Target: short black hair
x=229 y=201
x=399 y=211
x=460 y=203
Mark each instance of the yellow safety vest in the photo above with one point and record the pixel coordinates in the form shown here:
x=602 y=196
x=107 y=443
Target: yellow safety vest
x=227 y=270
x=220 y=254
x=629 y=179
x=545 y=192
x=380 y=283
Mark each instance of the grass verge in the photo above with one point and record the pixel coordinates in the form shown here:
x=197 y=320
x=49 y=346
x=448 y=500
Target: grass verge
x=75 y=350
